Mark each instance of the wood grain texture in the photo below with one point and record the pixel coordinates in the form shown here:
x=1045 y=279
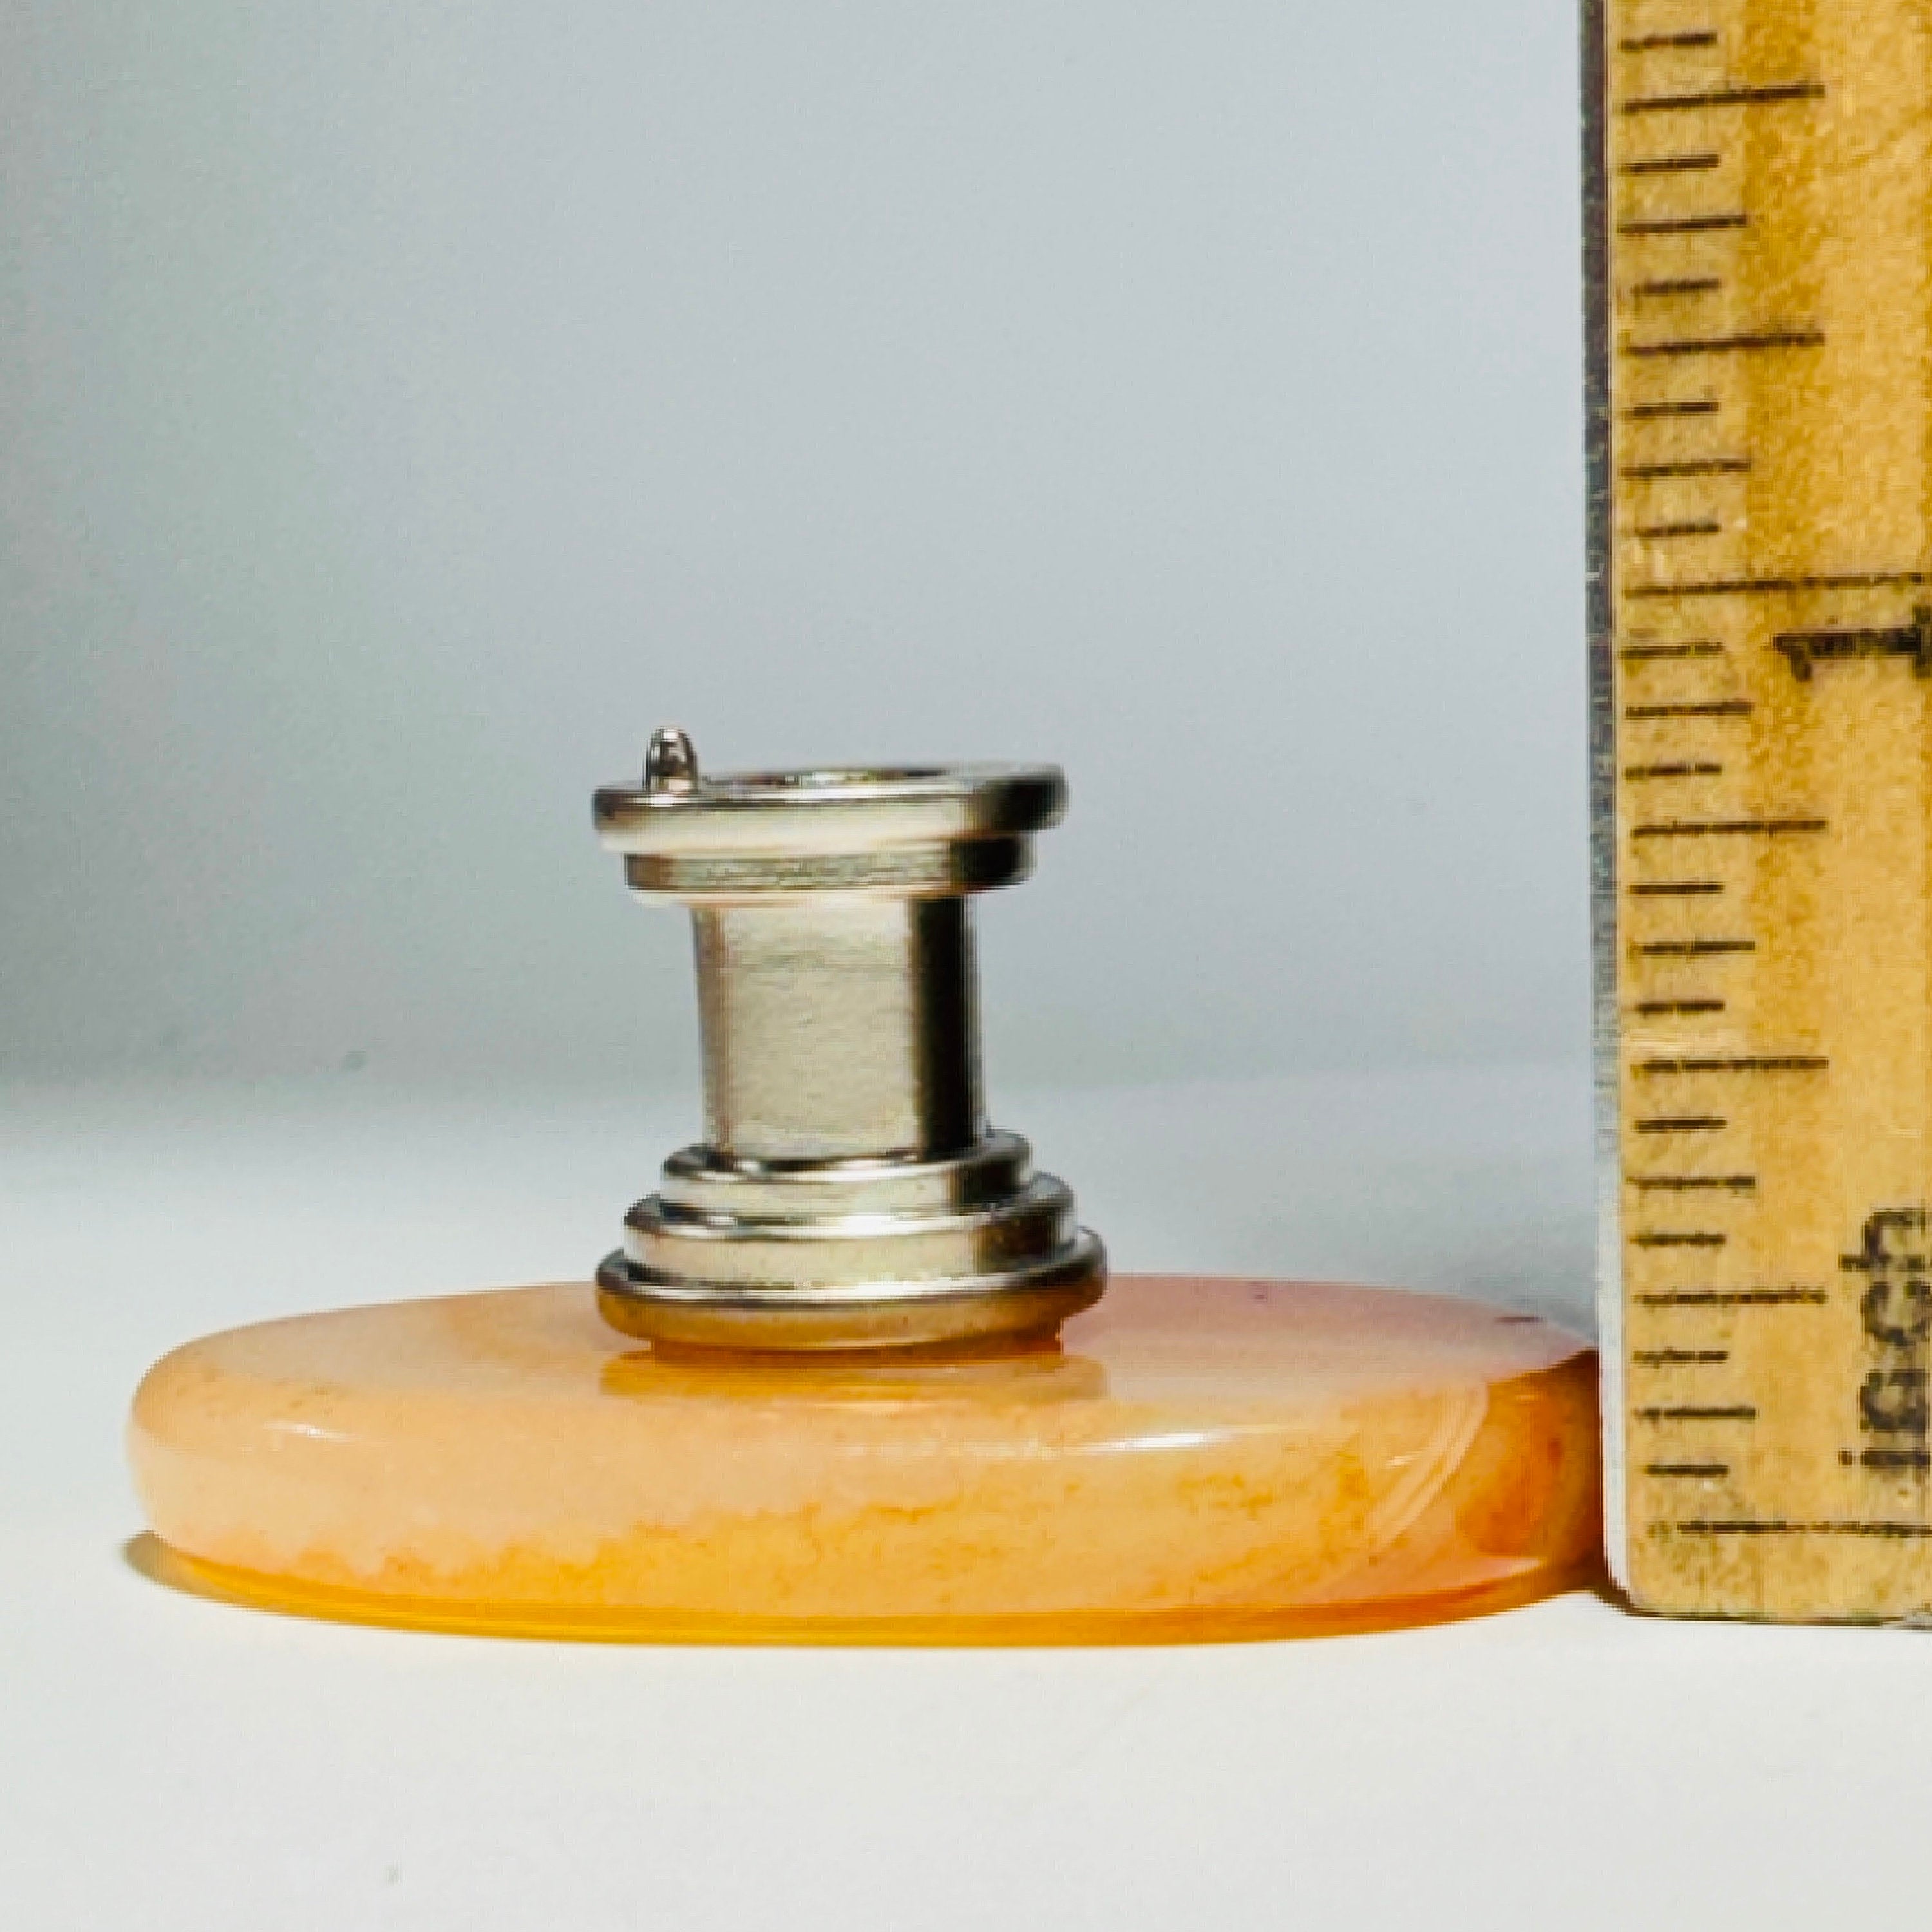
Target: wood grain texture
x=1766 y=236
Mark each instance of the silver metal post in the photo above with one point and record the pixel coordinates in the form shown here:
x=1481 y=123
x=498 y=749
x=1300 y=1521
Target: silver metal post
x=849 y=1193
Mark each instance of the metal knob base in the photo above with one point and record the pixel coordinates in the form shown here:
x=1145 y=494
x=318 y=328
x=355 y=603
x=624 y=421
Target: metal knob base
x=849 y=1193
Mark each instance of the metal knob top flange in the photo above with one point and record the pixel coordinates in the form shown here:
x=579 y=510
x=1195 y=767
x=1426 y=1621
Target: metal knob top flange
x=848 y=1192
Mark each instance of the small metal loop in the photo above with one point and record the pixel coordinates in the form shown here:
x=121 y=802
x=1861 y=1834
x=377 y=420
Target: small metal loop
x=670 y=765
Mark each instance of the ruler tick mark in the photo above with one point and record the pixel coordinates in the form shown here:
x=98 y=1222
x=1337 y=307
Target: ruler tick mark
x=1693 y=949
x=1755 y=587
x=1746 y=1527
x=1683 y=224
x=1680 y=1183
x=1741 y=1298
x=1675 y=1357
x=1708 y=527
x=1697 y=1238
x=1700 y=647
x=1681 y=888
x=1686 y=1469
x=1702 y=37
x=1703 y=405
x=1728 y=345
x=1683 y=1123
x=1784 y=1062
x=1705 y=466
x=1670 y=164
x=1722 y=96
x=1682 y=285
x=1739 y=1411
x=1718 y=707
x=1686 y=771
x=1727 y=828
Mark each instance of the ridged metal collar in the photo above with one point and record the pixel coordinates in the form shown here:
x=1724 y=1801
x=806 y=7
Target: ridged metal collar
x=905 y=828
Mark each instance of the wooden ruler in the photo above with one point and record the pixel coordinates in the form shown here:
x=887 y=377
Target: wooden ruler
x=1761 y=253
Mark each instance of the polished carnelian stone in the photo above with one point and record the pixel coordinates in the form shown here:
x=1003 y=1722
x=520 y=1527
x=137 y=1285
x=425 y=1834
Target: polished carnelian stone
x=1193 y=1459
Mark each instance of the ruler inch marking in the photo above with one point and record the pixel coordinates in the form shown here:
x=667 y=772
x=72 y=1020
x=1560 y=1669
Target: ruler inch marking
x=1803 y=650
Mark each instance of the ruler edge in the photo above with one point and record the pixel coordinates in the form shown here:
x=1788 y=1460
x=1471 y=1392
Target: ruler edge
x=1600 y=624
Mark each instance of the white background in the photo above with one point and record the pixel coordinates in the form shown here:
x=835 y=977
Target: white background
x=403 y=408
x=180 y=1766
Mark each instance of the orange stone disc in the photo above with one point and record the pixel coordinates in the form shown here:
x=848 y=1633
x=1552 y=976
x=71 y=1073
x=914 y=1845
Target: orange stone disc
x=1194 y=1459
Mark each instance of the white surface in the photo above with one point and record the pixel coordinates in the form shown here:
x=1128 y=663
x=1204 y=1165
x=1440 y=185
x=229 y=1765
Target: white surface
x=404 y=407
x=166 y=1763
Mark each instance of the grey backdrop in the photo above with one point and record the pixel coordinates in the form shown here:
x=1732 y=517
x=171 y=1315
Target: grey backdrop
x=408 y=406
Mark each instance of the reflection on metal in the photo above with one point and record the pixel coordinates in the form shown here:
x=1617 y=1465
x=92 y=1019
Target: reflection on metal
x=848 y=1192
